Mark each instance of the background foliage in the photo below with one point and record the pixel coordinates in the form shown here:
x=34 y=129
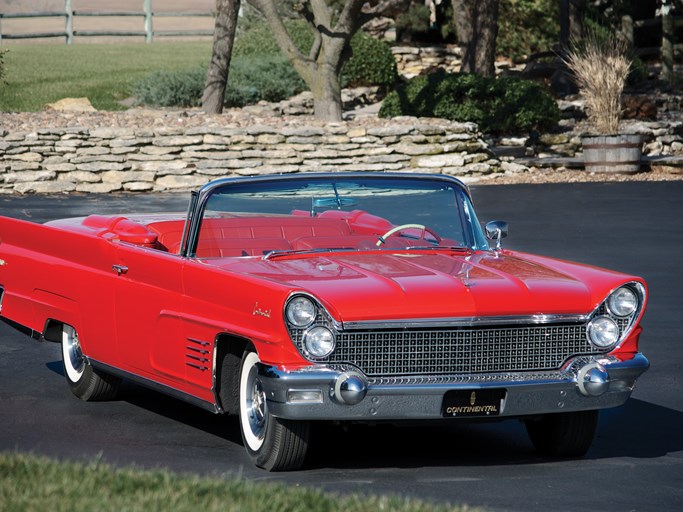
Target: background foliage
x=2 y=65
x=259 y=71
x=251 y=79
x=498 y=105
x=371 y=62
x=526 y=27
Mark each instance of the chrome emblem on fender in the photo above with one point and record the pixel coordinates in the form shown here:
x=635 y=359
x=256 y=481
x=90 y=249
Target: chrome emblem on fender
x=261 y=312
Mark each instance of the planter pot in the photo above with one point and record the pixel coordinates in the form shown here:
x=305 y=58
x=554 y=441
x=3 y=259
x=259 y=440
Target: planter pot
x=612 y=153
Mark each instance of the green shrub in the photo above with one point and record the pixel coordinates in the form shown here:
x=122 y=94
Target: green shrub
x=526 y=27
x=3 y=69
x=371 y=63
x=258 y=40
x=498 y=105
x=171 y=88
x=264 y=78
x=250 y=80
x=413 y=24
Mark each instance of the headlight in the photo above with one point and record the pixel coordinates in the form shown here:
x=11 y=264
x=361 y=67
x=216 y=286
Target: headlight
x=319 y=341
x=301 y=311
x=603 y=331
x=623 y=302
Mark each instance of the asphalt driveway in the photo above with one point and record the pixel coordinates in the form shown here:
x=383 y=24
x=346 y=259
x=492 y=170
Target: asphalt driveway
x=636 y=462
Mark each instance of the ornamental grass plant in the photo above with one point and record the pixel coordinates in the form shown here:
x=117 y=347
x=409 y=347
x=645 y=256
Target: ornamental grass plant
x=600 y=64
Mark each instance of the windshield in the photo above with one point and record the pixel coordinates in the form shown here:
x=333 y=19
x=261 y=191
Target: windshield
x=319 y=213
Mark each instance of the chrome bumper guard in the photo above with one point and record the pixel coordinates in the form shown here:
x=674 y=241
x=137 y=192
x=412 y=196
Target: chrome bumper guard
x=325 y=393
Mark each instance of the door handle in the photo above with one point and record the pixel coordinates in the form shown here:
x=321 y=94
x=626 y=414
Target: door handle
x=119 y=269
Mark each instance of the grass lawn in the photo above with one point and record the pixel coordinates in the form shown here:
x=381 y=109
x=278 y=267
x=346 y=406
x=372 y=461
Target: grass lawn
x=29 y=483
x=37 y=74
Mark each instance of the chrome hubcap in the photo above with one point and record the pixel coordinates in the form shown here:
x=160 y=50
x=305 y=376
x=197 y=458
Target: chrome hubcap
x=75 y=354
x=256 y=406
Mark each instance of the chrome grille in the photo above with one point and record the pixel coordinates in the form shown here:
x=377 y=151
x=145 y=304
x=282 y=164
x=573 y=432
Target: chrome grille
x=383 y=353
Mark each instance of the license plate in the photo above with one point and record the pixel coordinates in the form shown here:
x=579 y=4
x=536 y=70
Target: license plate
x=468 y=403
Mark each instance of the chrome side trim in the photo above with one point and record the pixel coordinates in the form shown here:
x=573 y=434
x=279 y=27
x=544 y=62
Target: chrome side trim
x=214 y=375
x=465 y=322
x=156 y=386
x=188 y=238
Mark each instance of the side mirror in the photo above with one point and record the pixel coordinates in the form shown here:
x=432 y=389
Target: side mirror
x=496 y=230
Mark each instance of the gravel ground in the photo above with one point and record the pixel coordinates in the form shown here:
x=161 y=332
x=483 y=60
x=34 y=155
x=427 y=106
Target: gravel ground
x=562 y=175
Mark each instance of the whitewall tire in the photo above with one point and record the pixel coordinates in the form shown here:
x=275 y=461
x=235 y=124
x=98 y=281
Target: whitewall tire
x=84 y=381
x=274 y=444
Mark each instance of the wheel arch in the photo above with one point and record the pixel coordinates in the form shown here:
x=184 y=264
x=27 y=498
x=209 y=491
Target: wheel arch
x=228 y=358
x=53 y=330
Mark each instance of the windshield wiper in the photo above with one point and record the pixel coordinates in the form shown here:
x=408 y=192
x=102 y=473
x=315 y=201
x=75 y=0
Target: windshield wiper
x=287 y=252
x=456 y=248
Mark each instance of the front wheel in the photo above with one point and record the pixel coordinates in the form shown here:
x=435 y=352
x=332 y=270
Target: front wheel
x=568 y=434
x=274 y=444
x=85 y=382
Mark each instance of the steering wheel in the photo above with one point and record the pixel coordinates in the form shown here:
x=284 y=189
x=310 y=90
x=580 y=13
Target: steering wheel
x=382 y=239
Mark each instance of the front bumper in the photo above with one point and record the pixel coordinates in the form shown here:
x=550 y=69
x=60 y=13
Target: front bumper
x=324 y=393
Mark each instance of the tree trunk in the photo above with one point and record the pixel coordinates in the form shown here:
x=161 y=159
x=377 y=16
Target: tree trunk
x=577 y=13
x=223 y=39
x=462 y=20
x=480 y=53
x=333 y=23
x=326 y=91
x=668 y=36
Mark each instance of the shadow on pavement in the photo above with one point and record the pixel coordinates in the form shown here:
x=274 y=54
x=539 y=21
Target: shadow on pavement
x=638 y=429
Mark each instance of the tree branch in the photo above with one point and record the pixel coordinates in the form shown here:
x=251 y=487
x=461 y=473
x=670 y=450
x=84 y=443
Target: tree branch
x=306 y=14
x=284 y=41
x=376 y=8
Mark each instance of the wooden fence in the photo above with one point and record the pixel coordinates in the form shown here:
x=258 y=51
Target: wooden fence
x=69 y=14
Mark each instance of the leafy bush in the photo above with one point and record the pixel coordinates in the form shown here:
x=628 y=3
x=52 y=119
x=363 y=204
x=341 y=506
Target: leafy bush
x=498 y=105
x=259 y=39
x=3 y=68
x=171 y=88
x=249 y=81
x=371 y=63
x=526 y=27
x=413 y=24
x=263 y=78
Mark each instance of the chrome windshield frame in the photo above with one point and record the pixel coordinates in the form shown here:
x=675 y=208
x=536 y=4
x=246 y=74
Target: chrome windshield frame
x=200 y=198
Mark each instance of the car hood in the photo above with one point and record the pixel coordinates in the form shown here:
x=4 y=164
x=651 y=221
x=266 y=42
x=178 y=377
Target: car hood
x=401 y=285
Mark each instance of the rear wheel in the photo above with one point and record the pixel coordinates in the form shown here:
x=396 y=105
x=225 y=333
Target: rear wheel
x=85 y=382
x=567 y=434
x=274 y=444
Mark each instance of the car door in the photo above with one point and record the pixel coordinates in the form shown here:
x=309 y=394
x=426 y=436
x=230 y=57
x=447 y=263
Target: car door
x=148 y=317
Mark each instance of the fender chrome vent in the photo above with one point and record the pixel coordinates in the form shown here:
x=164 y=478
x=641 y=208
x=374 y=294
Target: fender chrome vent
x=198 y=355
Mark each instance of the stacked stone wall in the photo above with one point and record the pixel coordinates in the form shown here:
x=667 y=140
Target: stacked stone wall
x=101 y=159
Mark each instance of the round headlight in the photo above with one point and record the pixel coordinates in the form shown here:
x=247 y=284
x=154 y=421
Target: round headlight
x=623 y=302
x=319 y=341
x=301 y=311
x=603 y=331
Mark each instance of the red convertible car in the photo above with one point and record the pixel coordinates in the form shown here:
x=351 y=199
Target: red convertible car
x=349 y=297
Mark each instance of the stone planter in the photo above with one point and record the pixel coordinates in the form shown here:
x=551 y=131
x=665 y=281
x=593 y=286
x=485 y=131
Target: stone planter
x=613 y=153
